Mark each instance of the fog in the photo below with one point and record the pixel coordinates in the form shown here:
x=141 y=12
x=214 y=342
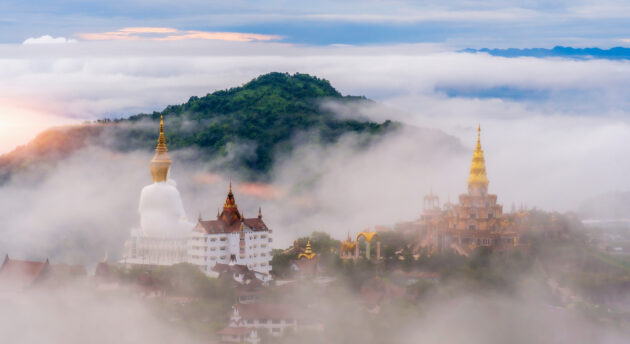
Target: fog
x=552 y=154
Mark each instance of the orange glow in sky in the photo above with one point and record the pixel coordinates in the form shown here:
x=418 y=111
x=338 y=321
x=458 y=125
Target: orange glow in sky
x=19 y=123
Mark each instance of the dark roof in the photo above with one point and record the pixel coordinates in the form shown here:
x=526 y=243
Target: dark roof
x=236 y=268
x=222 y=226
x=18 y=275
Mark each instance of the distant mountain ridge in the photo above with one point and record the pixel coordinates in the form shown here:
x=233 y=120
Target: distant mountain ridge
x=616 y=53
x=266 y=116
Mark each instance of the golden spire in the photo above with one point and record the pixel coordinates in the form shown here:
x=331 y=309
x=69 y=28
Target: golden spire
x=230 y=202
x=161 y=161
x=308 y=252
x=230 y=209
x=478 y=178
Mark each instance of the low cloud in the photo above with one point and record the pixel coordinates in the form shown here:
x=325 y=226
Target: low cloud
x=170 y=34
x=47 y=39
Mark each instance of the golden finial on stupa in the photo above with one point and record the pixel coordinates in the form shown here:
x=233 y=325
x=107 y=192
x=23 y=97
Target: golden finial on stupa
x=478 y=178
x=161 y=161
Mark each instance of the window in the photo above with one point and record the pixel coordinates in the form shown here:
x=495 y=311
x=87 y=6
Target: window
x=263 y=245
x=213 y=248
x=275 y=321
x=263 y=236
x=213 y=239
x=213 y=257
x=222 y=257
x=223 y=238
x=471 y=227
x=263 y=254
x=223 y=248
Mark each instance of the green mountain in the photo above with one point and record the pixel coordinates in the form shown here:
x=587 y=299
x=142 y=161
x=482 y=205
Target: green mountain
x=258 y=121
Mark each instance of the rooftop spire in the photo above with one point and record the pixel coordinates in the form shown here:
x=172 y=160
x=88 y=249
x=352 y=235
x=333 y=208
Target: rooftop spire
x=308 y=252
x=161 y=161
x=230 y=209
x=161 y=146
x=478 y=178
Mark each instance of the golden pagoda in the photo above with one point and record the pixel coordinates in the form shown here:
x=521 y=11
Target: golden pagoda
x=308 y=252
x=161 y=161
x=478 y=181
x=476 y=220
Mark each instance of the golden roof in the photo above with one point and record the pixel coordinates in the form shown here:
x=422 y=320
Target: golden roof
x=478 y=176
x=367 y=235
x=230 y=202
x=308 y=252
x=161 y=161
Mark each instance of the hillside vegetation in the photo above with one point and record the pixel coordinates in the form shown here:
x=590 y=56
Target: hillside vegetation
x=256 y=122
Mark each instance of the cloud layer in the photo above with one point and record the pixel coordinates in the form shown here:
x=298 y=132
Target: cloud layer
x=552 y=152
x=170 y=34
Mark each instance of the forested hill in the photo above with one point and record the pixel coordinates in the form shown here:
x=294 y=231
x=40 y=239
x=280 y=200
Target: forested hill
x=258 y=121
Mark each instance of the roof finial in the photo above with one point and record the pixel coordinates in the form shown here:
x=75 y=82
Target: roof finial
x=478 y=178
x=199 y=217
x=230 y=183
x=161 y=161
x=259 y=212
x=161 y=146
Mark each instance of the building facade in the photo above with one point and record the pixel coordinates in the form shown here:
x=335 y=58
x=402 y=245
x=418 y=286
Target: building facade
x=476 y=220
x=232 y=239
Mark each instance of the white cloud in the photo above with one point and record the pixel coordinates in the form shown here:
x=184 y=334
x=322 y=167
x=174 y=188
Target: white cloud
x=47 y=39
x=551 y=153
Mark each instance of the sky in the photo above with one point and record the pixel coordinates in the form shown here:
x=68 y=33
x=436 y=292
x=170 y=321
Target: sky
x=554 y=127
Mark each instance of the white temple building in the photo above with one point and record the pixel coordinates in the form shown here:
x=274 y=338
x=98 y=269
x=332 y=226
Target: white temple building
x=164 y=228
x=232 y=239
x=166 y=237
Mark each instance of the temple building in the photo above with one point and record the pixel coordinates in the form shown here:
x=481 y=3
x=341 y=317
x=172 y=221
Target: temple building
x=232 y=239
x=162 y=238
x=477 y=220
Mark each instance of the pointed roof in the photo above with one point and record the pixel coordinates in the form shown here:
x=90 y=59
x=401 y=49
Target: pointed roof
x=230 y=219
x=230 y=212
x=478 y=178
x=161 y=161
x=308 y=252
x=18 y=275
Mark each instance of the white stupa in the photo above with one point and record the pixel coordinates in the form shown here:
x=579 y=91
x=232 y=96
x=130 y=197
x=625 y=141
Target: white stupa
x=164 y=227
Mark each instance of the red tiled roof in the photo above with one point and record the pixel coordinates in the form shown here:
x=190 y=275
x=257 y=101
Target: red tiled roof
x=21 y=274
x=222 y=226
